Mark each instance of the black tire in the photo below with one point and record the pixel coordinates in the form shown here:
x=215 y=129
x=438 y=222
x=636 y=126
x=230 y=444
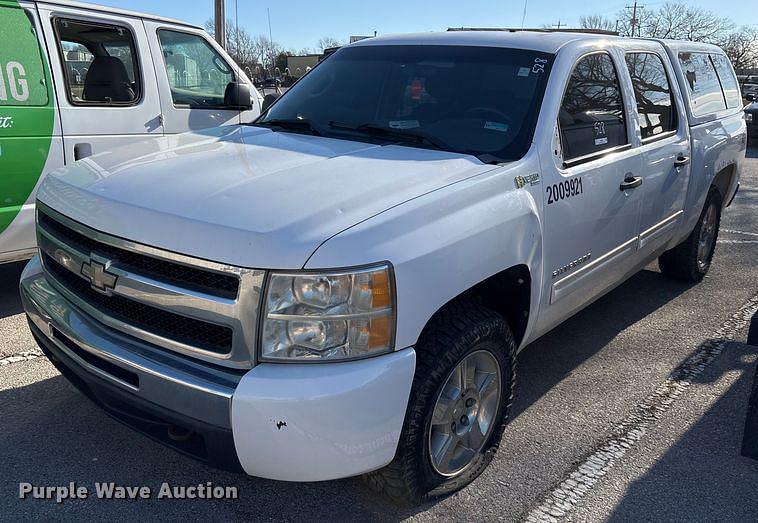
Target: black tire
x=682 y=262
x=457 y=331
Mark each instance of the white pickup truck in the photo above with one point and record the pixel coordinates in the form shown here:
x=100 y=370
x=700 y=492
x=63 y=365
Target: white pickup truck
x=342 y=287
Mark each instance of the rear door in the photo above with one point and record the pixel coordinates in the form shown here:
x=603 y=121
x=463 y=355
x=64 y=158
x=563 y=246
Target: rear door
x=30 y=134
x=192 y=78
x=592 y=198
x=108 y=97
x=664 y=146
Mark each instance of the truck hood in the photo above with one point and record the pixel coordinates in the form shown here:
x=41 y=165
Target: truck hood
x=244 y=195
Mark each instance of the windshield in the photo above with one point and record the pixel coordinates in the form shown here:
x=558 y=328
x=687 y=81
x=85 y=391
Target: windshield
x=474 y=100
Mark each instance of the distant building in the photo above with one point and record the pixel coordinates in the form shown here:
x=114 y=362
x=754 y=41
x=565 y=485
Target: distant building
x=358 y=38
x=299 y=65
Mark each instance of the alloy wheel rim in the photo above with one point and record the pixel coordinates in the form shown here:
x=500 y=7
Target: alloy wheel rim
x=464 y=413
x=705 y=240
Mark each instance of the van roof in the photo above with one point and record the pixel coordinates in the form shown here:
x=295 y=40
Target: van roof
x=114 y=10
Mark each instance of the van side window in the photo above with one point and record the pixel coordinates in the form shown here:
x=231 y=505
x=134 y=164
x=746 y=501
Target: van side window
x=592 y=117
x=99 y=61
x=728 y=80
x=197 y=74
x=22 y=71
x=652 y=91
x=703 y=83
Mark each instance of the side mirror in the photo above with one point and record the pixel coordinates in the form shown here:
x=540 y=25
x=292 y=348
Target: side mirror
x=237 y=95
x=751 y=97
x=268 y=100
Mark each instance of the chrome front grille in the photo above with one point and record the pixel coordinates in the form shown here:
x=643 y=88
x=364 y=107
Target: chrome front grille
x=191 y=306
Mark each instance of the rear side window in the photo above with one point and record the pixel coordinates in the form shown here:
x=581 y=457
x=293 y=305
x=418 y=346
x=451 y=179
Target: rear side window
x=99 y=62
x=728 y=80
x=197 y=74
x=703 y=83
x=591 y=117
x=652 y=92
x=22 y=72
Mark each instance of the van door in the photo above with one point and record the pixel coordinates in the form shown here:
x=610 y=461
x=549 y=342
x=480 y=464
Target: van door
x=592 y=197
x=109 y=96
x=664 y=149
x=30 y=132
x=192 y=78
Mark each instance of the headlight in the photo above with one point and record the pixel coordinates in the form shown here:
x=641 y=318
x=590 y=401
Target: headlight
x=328 y=316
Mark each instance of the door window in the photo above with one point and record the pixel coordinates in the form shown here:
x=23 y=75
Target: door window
x=728 y=80
x=197 y=74
x=99 y=63
x=703 y=83
x=592 y=116
x=652 y=92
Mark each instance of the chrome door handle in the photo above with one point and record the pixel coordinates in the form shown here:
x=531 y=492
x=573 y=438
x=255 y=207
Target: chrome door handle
x=630 y=182
x=681 y=161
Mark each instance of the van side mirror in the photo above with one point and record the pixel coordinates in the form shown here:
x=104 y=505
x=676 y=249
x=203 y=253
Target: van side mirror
x=268 y=100
x=751 y=97
x=237 y=95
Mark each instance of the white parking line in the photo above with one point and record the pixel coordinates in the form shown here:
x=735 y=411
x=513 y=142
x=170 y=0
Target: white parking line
x=730 y=231
x=580 y=480
x=21 y=356
x=737 y=241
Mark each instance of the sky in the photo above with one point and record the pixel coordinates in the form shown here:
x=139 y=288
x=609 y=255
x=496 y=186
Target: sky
x=298 y=24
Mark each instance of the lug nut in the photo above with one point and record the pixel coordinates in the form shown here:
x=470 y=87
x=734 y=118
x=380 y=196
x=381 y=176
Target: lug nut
x=452 y=425
x=470 y=402
x=464 y=420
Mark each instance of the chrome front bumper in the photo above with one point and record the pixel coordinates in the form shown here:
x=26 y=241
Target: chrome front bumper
x=182 y=403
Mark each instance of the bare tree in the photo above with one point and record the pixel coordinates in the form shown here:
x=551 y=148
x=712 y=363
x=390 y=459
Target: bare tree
x=597 y=22
x=327 y=42
x=239 y=43
x=677 y=21
x=741 y=46
x=680 y=21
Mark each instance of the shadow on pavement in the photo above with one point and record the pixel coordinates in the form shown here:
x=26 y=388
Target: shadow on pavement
x=553 y=357
x=703 y=477
x=10 y=301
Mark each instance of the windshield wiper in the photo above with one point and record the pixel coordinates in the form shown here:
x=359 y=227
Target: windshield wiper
x=405 y=135
x=295 y=124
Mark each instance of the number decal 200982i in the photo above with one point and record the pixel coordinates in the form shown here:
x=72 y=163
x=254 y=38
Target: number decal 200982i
x=563 y=190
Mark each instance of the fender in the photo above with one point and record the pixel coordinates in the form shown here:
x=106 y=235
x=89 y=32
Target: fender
x=445 y=242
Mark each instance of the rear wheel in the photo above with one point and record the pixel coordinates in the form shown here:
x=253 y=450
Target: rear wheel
x=458 y=405
x=691 y=259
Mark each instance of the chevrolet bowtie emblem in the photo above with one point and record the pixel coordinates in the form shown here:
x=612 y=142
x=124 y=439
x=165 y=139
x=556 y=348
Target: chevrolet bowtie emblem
x=99 y=277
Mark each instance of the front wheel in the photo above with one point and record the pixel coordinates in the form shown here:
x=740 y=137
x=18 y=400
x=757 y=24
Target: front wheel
x=458 y=406
x=691 y=259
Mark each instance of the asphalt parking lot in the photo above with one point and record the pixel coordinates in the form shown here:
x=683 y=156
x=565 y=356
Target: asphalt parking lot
x=633 y=409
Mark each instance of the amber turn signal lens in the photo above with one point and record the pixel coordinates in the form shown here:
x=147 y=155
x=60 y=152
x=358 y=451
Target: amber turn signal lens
x=380 y=290
x=380 y=332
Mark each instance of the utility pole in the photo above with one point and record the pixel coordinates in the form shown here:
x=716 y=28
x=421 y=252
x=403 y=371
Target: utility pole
x=219 y=18
x=558 y=25
x=635 y=22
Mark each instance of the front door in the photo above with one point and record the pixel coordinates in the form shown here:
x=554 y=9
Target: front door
x=591 y=199
x=108 y=97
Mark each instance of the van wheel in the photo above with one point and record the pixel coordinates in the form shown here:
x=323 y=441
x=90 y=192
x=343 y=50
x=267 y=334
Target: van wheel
x=691 y=259
x=458 y=407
